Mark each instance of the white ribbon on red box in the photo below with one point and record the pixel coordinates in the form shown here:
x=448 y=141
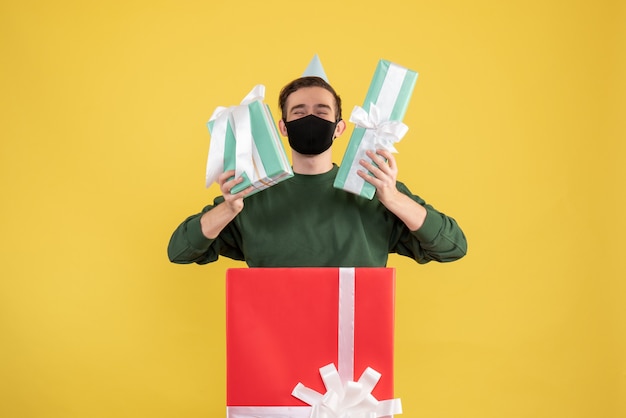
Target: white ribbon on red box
x=344 y=397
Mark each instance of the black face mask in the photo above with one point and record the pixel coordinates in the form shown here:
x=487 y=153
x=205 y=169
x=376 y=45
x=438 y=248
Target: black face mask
x=310 y=135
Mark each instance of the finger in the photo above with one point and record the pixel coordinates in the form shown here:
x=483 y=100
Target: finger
x=229 y=184
x=391 y=160
x=369 y=178
x=369 y=166
x=241 y=193
x=378 y=162
x=226 y=175
x=373 y=154
x=380 y=156
x=246 y=191
x=389 y=166
x=227 y=187
x=386 y=154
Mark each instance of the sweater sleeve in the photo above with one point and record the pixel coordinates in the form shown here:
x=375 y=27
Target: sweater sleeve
x=439 y=239
x=189 y=245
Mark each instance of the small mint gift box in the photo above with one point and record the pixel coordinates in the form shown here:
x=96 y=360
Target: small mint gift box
x=378 y=123
x=244 y=138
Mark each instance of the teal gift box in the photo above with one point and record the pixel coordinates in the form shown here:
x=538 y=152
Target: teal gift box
x=244 y=138
x=378 y=123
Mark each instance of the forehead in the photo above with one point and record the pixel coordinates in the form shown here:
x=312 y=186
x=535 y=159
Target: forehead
x=311 y=96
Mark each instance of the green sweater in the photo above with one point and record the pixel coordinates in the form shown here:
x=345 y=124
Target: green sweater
x=306 y=222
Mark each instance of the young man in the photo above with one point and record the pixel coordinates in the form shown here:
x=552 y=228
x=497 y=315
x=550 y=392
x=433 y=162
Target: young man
x=304 y=221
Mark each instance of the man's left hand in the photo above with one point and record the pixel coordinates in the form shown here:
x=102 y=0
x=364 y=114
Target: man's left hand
x=381 y=173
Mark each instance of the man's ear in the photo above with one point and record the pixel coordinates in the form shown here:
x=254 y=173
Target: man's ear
x=341 y=126
x=282 y=128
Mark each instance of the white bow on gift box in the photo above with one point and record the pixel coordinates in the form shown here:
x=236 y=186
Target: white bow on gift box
x=381 y=132
x=350 y=399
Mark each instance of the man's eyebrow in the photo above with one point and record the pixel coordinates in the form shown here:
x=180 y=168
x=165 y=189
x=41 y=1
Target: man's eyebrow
x=323 y=106
x=317 y=106
x=298 y=106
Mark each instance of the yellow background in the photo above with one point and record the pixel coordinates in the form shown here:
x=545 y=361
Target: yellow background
x=516 y=130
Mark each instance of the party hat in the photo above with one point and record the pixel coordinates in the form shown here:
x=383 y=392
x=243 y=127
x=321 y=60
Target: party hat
x=315 y=69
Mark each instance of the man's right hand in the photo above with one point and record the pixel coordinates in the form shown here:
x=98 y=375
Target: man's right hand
x=216 y=219
x=233 y=201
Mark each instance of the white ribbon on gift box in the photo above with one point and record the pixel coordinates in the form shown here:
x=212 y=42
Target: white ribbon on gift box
x=247 y=159
x=380 y=132
x=343 y=396
x=215 y=160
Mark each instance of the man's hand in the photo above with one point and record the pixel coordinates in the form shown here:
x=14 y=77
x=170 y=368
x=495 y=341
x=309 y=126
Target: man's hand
x=234 y=202
x=213 y=221
x=384 y=173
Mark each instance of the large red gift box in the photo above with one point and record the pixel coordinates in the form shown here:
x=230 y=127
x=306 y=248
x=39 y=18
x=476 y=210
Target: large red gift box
x=284 y=324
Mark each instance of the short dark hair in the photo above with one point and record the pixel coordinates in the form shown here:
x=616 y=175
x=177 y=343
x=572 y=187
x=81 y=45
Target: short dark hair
x=303 y=82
